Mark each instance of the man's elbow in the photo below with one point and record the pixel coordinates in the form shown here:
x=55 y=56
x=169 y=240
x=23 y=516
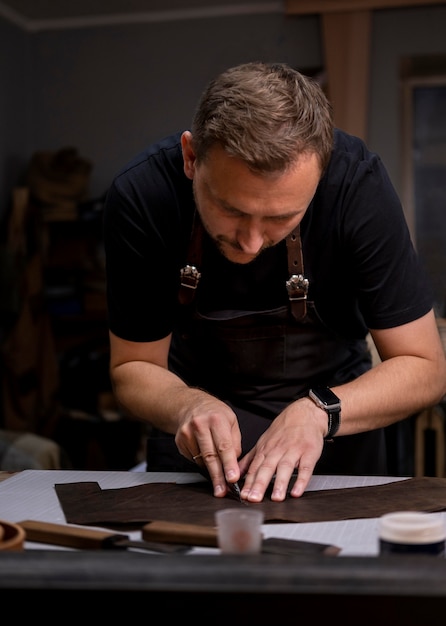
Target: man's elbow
x=437 y=383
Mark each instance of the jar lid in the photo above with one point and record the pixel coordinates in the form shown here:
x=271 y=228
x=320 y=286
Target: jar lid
x=412 y=527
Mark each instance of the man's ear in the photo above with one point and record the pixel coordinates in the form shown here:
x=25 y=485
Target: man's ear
x=188 y=154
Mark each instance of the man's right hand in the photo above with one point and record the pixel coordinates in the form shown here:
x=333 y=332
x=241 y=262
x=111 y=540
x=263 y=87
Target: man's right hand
x=209 y=435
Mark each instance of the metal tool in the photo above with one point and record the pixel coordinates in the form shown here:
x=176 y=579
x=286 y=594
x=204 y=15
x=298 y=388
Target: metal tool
x=234 y=490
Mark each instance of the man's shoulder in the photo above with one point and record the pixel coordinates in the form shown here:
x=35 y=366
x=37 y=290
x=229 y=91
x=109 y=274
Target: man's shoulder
x=347 y=146
x=155 y=176
x=351 y=160
x=165 y=150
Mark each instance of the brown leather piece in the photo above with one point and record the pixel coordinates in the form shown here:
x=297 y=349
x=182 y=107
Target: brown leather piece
x=87 y=503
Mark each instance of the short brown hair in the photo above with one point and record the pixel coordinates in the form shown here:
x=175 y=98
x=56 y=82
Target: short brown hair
x=266 y=114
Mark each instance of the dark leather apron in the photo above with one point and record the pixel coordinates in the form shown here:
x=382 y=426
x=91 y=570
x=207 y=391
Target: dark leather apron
x=259 y=362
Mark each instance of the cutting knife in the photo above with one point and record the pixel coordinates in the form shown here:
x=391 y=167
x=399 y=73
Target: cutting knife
x=234 y=489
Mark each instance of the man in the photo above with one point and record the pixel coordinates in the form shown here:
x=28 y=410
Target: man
x=247 y=261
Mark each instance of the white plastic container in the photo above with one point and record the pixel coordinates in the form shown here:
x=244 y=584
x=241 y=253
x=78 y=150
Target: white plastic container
x=239 y=530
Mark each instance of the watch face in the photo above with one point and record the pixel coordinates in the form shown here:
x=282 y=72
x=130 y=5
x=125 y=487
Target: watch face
x=325 y=395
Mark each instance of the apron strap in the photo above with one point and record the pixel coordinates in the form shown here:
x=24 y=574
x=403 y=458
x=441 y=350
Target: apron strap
x=297 y=284
x=190 y=274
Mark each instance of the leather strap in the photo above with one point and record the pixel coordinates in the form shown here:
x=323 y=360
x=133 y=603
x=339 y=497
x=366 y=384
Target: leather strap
x=190 y=274
x=297 y=284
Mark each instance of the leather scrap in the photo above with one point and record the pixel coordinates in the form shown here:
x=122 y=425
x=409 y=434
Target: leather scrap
x=87 y=503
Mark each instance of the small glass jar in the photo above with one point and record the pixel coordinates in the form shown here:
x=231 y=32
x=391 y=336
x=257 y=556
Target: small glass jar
x=412 y=532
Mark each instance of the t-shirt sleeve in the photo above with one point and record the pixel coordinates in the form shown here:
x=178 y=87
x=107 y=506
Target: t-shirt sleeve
x=144 y=236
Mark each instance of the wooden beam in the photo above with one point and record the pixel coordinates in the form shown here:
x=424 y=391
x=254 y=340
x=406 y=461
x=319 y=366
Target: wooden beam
x=347 y=62
x=346 y=31
x=302 y=7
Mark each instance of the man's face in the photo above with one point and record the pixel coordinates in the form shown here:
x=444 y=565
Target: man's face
x=244 y=212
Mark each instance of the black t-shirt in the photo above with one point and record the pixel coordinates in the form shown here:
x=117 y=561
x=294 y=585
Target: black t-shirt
x=358 y=256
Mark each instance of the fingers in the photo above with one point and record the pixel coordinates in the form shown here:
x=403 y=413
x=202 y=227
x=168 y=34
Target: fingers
x=257 y=483
x=219 y=473
x=271 y=467
x=302 y=480
x=213 y=441
x=263 y=468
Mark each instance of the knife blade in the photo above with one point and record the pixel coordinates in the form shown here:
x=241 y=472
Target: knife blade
x=234 y=490
x=91 y=539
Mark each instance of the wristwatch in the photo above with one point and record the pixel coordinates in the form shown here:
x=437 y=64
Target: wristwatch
x=327 y=400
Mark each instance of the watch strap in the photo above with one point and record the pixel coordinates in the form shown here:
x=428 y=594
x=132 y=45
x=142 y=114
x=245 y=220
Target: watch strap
x=334 y=421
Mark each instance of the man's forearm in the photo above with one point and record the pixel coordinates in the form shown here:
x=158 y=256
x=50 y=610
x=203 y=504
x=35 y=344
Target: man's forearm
x=151 y=393
x=389 y=392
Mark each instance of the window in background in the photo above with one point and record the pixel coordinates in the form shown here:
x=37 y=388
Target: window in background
x=424 y=162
